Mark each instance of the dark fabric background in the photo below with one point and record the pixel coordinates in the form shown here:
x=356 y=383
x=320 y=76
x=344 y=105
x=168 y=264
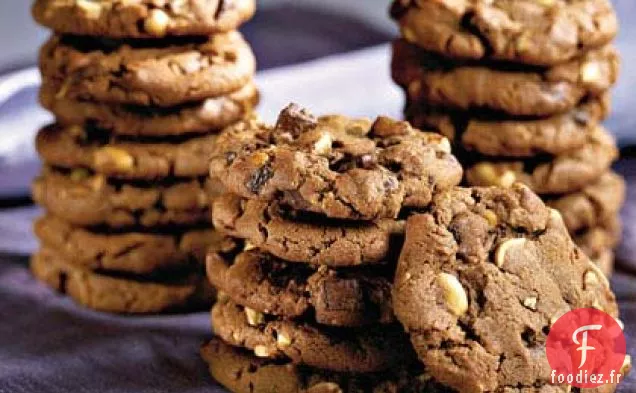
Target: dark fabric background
x=48 y=344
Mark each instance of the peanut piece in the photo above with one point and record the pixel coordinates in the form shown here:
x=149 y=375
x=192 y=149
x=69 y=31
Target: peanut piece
x=454 y=294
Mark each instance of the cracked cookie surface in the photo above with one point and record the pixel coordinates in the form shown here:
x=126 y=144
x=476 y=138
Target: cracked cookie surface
x=521 y=31
x=479 y=281
x=331 y=297
x=502 y=88
x=337 y=166
x=306 y=238
x=140 y=73
x=371 y=349
x=142 y=18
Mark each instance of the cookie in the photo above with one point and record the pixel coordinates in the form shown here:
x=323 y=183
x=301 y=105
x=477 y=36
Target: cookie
x=91 y=200
x=130 y=252
x=140 y=73
x=209 y=115
x=527 y=31
x=75 y=147
x=605 y=262
x=241 y=372
x=598 y=202
x=501 y=88
x=347 y=297
x=594 y=241
x=143 y=18
x=562 y=174
x=307 y=238
x=479 y=281
x=337 y=166
x=371 y=349
x=118 y=294
x=501 y=136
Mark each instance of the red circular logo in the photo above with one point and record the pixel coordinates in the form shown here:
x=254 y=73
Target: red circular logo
x=586 y=349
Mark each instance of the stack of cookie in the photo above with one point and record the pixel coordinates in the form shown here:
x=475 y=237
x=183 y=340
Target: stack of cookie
x=520 y=88
x=305 y=303
x=140 y=89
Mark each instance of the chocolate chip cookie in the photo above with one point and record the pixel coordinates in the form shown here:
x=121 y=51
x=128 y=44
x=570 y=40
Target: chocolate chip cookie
x=598 y=202
x=307 y=238
x=562 y=174
x=347 y=297
x=200 y=117
x=371 y=349
x=130 y=252
x=139 y=73
x=337 y=166
x=142 y=18
x=521 y=31
x=503 y=136
x=75 y=147
x=118 y=294
x=479 y=282
x=501 y=88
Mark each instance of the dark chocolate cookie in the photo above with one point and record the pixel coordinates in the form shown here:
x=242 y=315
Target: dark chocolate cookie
x=306 y=238
x=521 y=31
x=143 y=18
x=501 y=88
x=330 y=297
x=133 y=73
x=118 y=294
x=371 y=349
x=75 y=147
x=130 y=252
x=566 y=173
x=337 y=166
x=209 y=115
x=480 y=281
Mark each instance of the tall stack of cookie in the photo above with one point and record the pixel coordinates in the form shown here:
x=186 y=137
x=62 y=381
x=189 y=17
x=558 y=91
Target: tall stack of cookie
x=140 y=90
x=305 y=303
x=520 y=87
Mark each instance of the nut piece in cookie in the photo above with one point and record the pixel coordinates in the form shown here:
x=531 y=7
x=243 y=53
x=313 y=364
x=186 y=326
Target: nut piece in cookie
x=336 y=166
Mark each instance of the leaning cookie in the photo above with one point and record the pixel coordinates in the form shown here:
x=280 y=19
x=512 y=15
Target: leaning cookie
x=143 y=18
x=522 y=92
x=520 y=31
x=117 y=157
x=265 y=284
x=306 y=238
x=130 y=252
x=131 y=73
x=209 y=115
x=371 y=349
x=115 y=293
x=480 y=281
x=501 y=136
x=336 y=166
x=91 y=200
x=566 y=173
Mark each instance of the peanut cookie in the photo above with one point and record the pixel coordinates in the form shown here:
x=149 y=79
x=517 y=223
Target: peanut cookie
x=347 y=297
x=130 y=252
x=371 y=349
x=142 y=18
x=479 y=281
x=501 y=88
x=241 y=372
x=118 y=294
x=566 y=173
x=201 y=117
x=307 y=238
x=521 y=31
x=594 y=241
x=605 y=261
x=117 y=157
x=337 y=166
x=502 y=136
x=598 y=202
x=132 y=72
